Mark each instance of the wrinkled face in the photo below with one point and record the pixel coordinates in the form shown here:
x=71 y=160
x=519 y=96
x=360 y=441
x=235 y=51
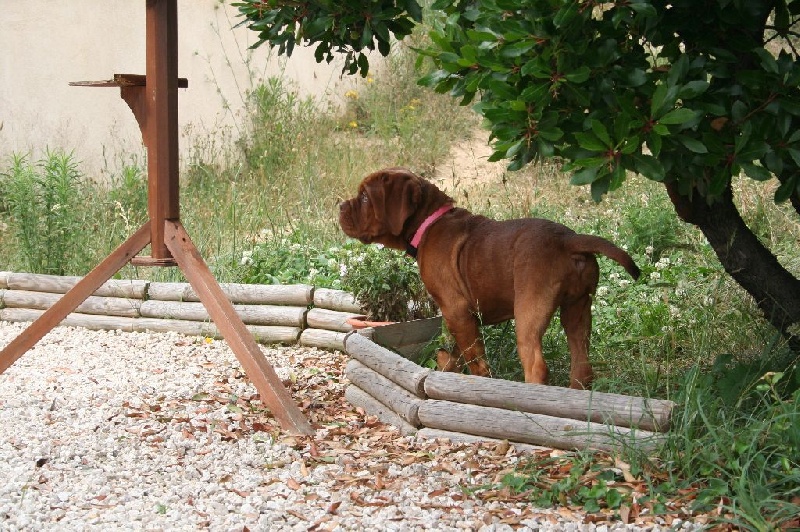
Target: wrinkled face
x=378 y=213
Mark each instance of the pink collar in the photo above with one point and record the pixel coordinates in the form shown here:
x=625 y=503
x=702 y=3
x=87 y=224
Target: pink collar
x=428 y=222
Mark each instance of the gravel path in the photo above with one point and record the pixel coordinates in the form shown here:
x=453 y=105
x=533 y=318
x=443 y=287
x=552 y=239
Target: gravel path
x=129 y=431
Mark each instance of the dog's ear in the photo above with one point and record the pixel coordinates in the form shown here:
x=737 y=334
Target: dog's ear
x=404 y=195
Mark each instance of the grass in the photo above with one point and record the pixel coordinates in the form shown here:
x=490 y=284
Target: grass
x=262 y=207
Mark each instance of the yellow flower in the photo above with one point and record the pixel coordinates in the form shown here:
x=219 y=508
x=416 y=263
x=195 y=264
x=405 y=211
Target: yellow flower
x=353 y=95
x=370 y=79
x=208 y=340
x=353 y=124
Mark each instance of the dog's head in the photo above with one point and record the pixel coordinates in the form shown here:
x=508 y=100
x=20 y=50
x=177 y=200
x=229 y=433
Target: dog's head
x=389 y=206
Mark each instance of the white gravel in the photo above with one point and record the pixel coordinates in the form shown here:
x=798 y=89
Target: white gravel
x=129 y=431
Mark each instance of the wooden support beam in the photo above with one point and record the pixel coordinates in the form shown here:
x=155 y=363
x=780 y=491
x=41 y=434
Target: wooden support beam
x=269 y=386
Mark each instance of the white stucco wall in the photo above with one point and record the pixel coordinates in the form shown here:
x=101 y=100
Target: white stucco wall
x=45 y=44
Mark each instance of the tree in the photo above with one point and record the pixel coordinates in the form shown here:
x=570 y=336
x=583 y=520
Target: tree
x=690 y=94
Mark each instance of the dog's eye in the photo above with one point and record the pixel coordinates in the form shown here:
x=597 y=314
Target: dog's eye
x=364 y=197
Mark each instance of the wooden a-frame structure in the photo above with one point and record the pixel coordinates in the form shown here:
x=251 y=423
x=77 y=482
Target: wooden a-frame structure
x=153 y=98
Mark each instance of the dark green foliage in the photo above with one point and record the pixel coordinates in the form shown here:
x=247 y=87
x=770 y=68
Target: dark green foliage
x=335 y=27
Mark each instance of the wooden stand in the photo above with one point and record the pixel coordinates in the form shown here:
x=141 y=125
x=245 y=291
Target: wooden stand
x=153 y=98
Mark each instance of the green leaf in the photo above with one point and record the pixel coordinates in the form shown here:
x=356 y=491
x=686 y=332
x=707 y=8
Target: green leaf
x=600 y=187
x=693 y=89
x=648 y=166
x=692 y=144
x=678 y=116
x=565 y=14
x=768 y=61
x=795 y=155
x=584 y=177
x=660 y=129
x=788 y=188
x=602 y=133
x=658 y=98
x=613 y=498
x=579 y=76
x=590 y=142
x=654 y=142
x=637 y=77
x=759 y=173
x=552 y=134
x=516 y=49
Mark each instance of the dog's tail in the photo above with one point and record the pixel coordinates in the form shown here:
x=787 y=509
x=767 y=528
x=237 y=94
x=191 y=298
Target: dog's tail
x=598 y=245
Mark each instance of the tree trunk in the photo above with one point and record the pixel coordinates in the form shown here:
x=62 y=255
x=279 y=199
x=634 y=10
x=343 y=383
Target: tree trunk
x=744 y=257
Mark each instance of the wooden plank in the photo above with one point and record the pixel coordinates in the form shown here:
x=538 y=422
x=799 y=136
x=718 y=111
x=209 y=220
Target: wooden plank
x=583 y=405
x=83 y=289
x=272 y=334
x=393 y=396
x=87 y=321
x=391 y=365
x=408 y=338
x=299 y=295
x=57 y=284
x=250 y=314
x=536 y=429
x=361 y=399
x=426 y=433
x=336 y=300
x=263 y=334
x=331 y=320
x=270 y=388
x=4 y=279
x=109 y=306
x=323 y=339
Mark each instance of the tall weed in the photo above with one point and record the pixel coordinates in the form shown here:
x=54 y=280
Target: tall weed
x=45 y=205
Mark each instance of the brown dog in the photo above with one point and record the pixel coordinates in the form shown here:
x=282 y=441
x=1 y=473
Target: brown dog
x=484 y=271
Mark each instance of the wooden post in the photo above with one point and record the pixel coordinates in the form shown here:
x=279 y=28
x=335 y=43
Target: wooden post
x=161 y=130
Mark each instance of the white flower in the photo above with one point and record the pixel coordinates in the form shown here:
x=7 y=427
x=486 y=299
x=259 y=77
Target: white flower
x=655 y=276
x=247 y=258
x=624 y=282
x=602 y=291
x=342 y=270
x=648 y=250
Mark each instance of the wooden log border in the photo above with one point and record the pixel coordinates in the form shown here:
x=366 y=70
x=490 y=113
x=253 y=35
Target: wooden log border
x=275 y=314
x=383 y=383
x=466 y=408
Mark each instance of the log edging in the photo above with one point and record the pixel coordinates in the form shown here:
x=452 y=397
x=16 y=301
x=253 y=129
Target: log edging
x=275 y=314
x=469 y=408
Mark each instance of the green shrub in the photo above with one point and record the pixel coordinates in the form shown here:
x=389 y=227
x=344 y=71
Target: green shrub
x=44 y=201
x=385 y=282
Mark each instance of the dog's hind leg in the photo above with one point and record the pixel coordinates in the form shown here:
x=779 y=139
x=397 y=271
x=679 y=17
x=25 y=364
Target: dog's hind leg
x=468 y=343
x=576 y=318
x=531 y=323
